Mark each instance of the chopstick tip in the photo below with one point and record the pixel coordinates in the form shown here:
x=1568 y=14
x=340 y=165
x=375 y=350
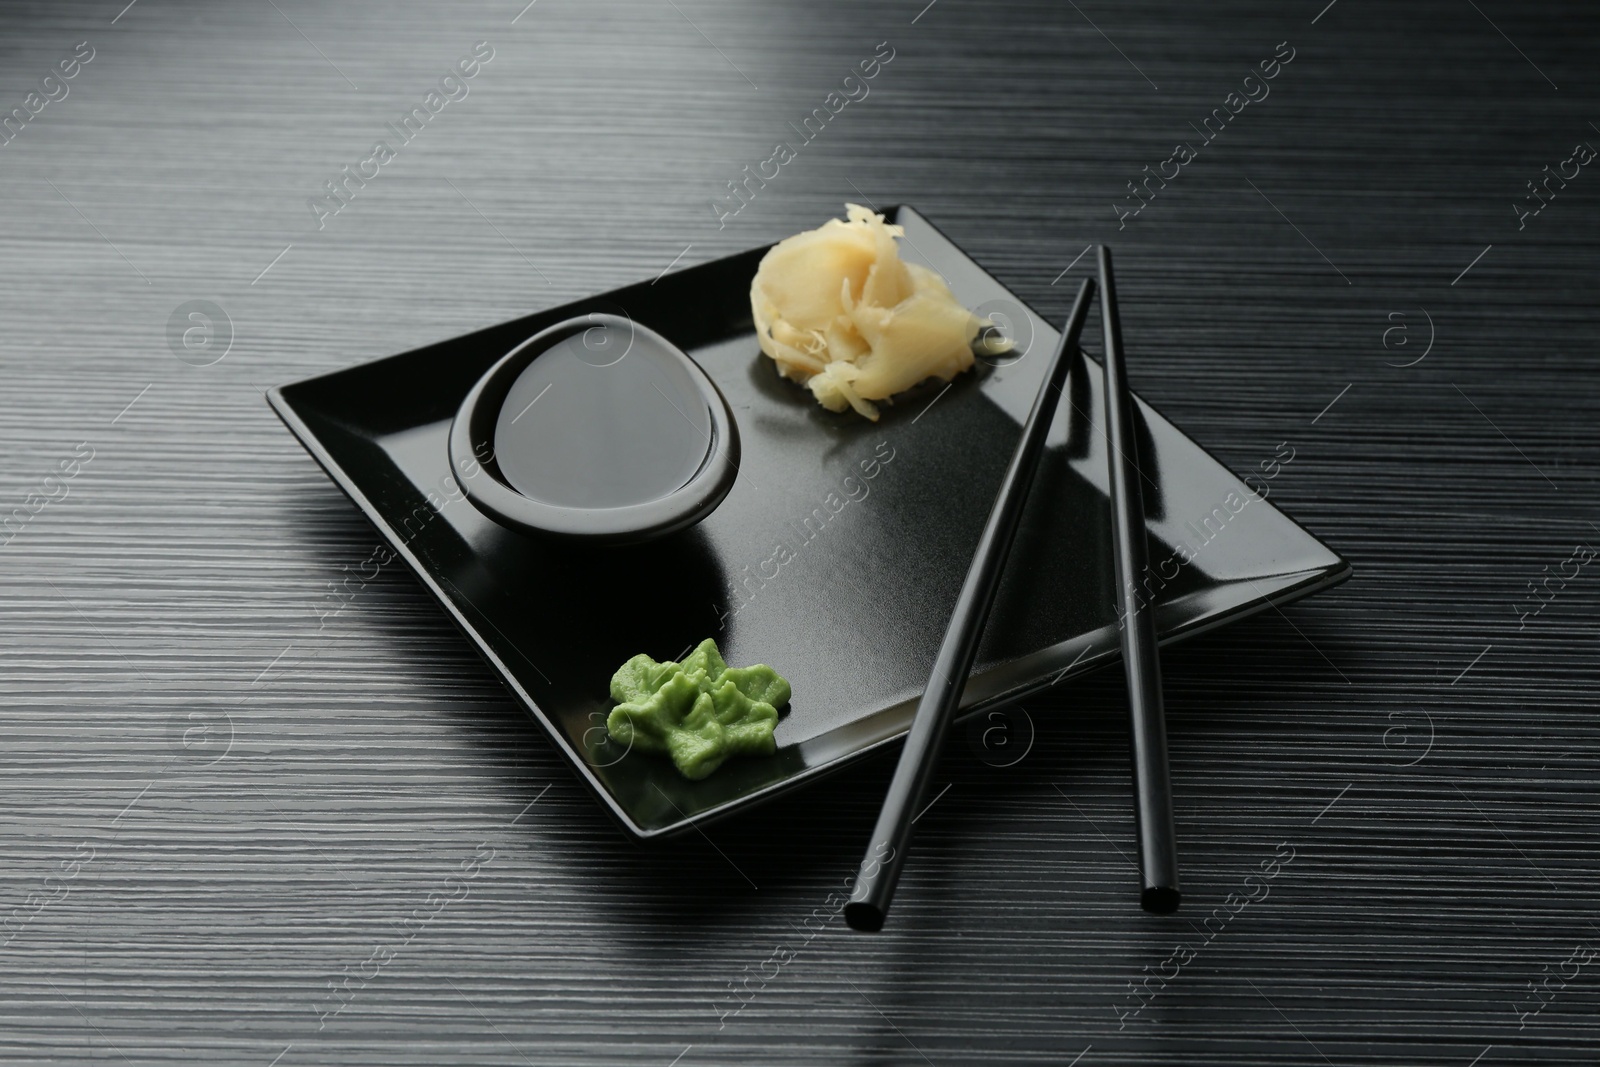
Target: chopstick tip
x=1161 y=900
x=864 y=916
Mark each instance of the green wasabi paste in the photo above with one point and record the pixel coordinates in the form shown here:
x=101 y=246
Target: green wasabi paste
x=699 y=712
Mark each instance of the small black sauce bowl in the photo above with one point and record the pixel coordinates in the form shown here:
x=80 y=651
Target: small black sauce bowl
x=476 y=471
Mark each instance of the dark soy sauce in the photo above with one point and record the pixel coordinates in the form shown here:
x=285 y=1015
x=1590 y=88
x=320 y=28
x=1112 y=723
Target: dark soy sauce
x=604 y=418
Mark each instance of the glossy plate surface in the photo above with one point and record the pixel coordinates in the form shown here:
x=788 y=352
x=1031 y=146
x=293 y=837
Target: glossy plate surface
x=835 y=559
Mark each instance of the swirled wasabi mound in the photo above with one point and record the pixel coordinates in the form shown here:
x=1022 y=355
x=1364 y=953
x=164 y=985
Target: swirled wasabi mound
x=838 y=310
x=699 y=712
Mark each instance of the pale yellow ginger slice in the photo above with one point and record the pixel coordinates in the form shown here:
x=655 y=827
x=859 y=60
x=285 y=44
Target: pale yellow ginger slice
x=838 y=310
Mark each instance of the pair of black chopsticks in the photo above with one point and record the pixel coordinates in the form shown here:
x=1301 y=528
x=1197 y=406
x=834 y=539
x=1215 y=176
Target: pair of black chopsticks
x=1158 y=857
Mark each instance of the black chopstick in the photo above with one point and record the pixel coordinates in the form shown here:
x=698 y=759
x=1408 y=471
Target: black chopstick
x=880 y=870
x=1152 y=781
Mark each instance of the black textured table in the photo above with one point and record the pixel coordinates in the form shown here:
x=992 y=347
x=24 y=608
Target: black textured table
x=260 y=803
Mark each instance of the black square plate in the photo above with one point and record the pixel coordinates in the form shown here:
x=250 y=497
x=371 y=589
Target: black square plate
x=837 y=556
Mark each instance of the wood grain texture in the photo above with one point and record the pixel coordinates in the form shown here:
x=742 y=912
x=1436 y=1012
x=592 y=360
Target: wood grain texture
x=235 y=827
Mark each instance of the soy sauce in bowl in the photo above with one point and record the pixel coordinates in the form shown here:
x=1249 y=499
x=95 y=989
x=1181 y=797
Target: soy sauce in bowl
x=597 y=428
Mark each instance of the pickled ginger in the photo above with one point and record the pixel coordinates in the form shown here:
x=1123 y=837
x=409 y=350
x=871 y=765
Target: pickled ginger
x=838 y=311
